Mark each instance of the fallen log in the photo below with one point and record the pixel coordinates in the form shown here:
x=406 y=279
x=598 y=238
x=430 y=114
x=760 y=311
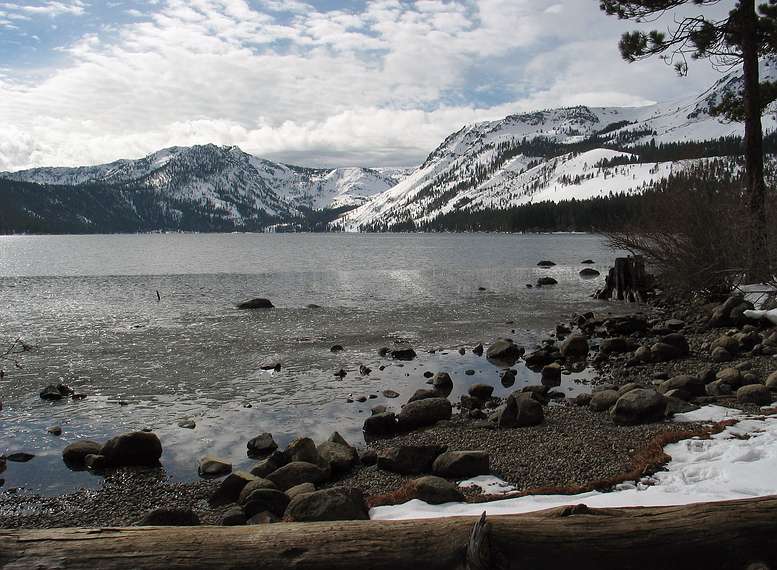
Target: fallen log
x=733 y=534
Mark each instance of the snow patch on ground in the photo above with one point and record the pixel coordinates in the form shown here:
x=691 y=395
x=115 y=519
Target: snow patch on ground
x=489 y=484
x=739 y=462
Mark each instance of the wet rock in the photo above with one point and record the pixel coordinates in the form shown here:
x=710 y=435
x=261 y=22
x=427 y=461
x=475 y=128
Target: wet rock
x=587 y=262
x=303 y=449
x=575 y=346
x=336 y=348
x=75 y=453
x=300 y=489
x=424 y=413
x=258 y=303
x=234 y=516
x=545 y=263
x=265 y=517
x=272 y=365
x=390 y=394
x=481 y=391
x=381 y=424
x=461 y=464
x=95 y=462
x=409 y=459
x=364 y=370
x=187 y=424
x=254 y=485
x=507 y=377
x=296 y=473
x=538 y=359
x=603 y=400
x=54 y=430
x=588 y=272
x=771 y=381
x=478 y=350
x=54 y=392
x=443 y=383
x=261 y=445
x=275 y=461
x=754 y=394
x=132 y=449
x=230 y=487
x=551 y=374
x=639 y=406
x=213 y=467
x=335 y=504
x=402 y=352
x=435 y=490
x=520 y=411
x=19 y=457
x=543 y=281
x=341 y=373
x=379 y=409
x=615 y=345
x=341 y=457
x=368 y=456
x=261 y=500
x=170 y=517
x=504 y=351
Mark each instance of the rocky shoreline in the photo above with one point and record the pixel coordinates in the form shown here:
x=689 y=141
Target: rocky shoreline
x=671 y=358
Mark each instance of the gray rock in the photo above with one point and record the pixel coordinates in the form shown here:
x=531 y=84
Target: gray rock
x=303 y=449
x=275 y=461
x=258 y=303
x=300 y=489
x=628 y=388
x=424 y=413
x=254 y=485
x=54 y=430
x=664 y=352
x=720 y=354
x=617 y=344
x=390 y=394
x=481 y=391
x=425 y=394
x=261 y=445
x=504 y=351
x=295 y=473
x=687 y=386
x=402 y=352
x=520 y=410
x=461 y=464
x=542 y=281
x=771 y=381
x=588 y=272
x=229 y=489
x=603 y=400
x=731 y=376
x=95 y=462
x=133 y=449
x=261 y=500
x=335 y=504
x=368 y=456
x=213 y=467
x=435 y=490
x=170 y=517
x=409 y=459
x=234 y=516
x=381 y=424
x=75 y=453
x=718 y=388
x=575 y=346
x=754 y=394
x=729 y=343
x=339 y=457
x=443 y=383
x=639 y=406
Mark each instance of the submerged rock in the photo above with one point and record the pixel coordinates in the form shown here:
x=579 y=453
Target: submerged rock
x=258 y=303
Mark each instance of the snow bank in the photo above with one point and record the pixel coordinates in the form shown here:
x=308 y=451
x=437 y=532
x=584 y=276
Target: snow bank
x=740 y=462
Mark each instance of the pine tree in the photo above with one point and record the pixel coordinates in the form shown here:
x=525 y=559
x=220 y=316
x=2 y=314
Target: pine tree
x=748 y=33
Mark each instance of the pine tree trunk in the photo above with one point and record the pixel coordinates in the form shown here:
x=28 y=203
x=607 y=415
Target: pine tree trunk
x=758 y=266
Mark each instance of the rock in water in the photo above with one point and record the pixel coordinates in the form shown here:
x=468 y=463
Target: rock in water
x=213 y=467
x=461 y=464
x=258 y=303
x=381 y=424
x=75 y=453
x=481 y=391
x=545 y=263
x=335 y=504
x=402 y=352
x=639 y=406
x=443 y=383
x=137 y=448
x=589 y=273
x=542 y=281
x=504 y=351
x=435 y=490
x=261 y=445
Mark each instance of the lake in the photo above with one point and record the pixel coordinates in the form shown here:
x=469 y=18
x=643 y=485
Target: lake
x=89 y=306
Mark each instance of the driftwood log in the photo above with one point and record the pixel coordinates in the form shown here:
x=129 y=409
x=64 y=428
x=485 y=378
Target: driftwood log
x=734 y=534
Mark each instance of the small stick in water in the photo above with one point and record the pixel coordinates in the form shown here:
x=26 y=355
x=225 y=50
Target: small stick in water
x=158 y=296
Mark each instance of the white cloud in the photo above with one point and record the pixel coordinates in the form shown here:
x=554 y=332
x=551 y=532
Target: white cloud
x=378 y=86
x=52 y=8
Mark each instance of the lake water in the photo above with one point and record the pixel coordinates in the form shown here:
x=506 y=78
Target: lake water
x=89 y=306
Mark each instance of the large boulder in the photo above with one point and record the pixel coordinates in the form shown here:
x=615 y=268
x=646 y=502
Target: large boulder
x=754 y=394
x=295 y=473
x=481 y=391
x=542 y=281
x=138 y=448
x=409 y=459
x=335 y=504
x=213 y=467
x=603 y=400
x=382 y=424
x=253 y=485
x=261 y=500
x=261 y=445
x=258 y=303
x=461 y=464
x=303 y=449
x=771 y=381
x=435 y=490
x=425 y=394
x=423 y=413
x=229 y=489
x=639 y=406
x=616 y=344
x=520 y=410
x=575 y=347
x=340 y=456
x=75 y=453
x=687 y=386
x=275 y=461
x=504 y=352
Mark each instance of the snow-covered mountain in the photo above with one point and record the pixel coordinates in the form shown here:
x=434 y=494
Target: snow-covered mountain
x=225 y=178
x=551 y=155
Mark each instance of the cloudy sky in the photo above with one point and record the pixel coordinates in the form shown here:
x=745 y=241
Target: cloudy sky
x=329 y=82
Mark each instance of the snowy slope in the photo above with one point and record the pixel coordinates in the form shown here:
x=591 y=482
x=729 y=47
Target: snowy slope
x=499 y=164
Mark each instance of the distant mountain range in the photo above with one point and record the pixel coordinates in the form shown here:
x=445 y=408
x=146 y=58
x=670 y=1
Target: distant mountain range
x=547 y=156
